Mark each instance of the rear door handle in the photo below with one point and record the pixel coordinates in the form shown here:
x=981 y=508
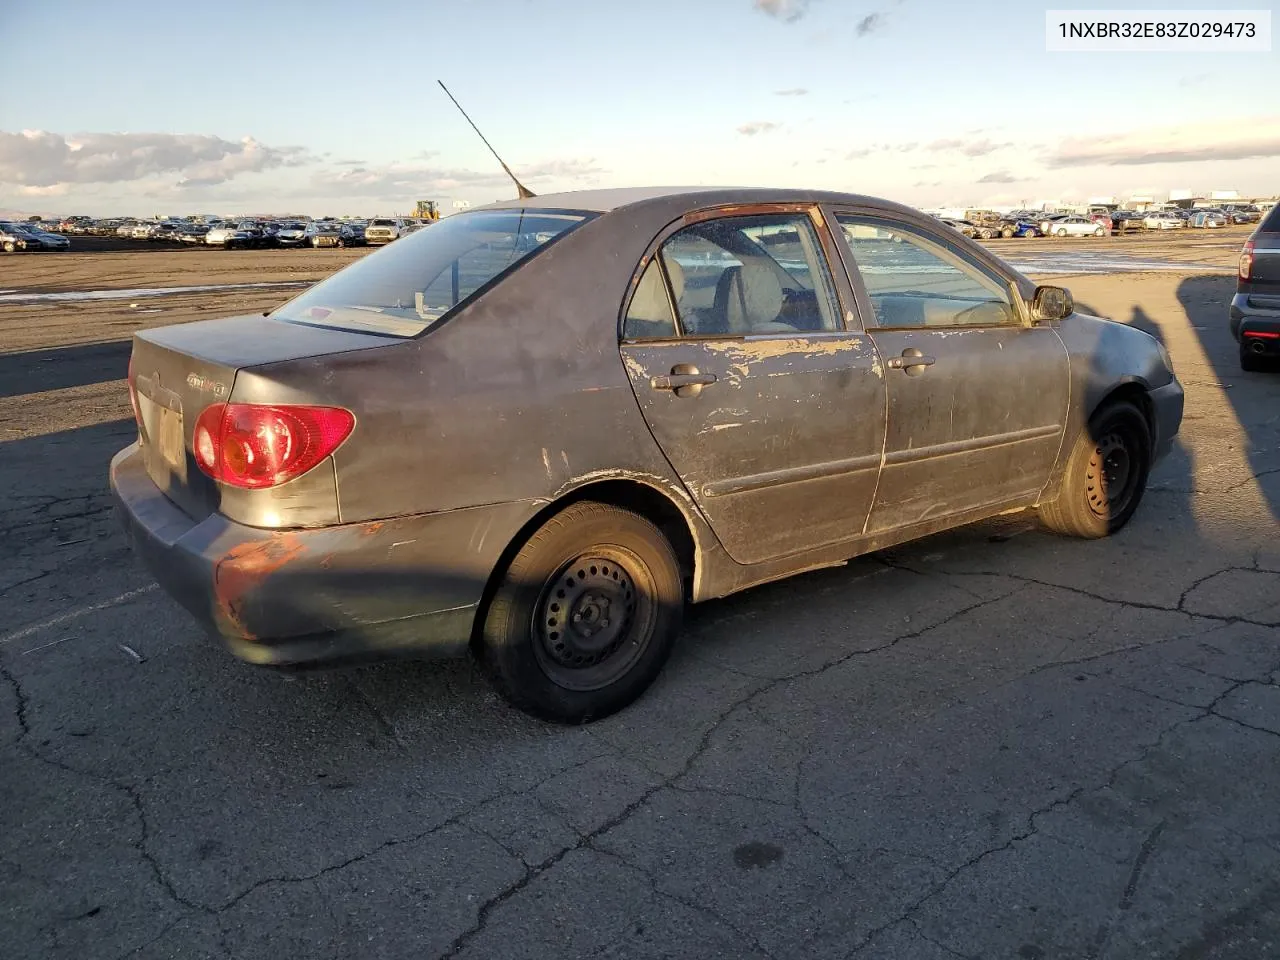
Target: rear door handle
x=911 y=362
x=685 y=380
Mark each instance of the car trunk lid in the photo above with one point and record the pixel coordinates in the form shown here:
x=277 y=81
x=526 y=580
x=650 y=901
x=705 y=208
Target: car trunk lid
x=178 y=371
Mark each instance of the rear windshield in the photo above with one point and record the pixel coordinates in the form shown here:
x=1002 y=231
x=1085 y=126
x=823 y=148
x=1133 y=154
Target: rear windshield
x=411 y=284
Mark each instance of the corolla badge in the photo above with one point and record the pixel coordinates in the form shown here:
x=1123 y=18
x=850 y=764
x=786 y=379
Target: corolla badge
x=197 y=382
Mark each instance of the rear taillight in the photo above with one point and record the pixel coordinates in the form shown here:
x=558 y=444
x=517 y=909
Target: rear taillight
x=1246 y=260
x=255 y=445
x=133 y=394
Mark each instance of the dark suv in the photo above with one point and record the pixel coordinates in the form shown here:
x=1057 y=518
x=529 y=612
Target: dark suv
x=1255 y=309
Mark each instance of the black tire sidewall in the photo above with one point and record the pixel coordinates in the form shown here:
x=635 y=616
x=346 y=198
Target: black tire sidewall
x=507 y=643
x=1130 y=418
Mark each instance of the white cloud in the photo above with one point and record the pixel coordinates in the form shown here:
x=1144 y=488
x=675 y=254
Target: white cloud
x=757 y=126
x=411 y=180
x=1246 y=139
x=788 y=10
x=39 y=158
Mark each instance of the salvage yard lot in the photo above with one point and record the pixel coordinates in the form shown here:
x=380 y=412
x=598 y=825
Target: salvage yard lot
x=992 y=743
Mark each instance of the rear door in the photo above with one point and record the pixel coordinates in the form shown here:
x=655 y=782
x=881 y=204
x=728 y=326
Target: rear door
x=766 y=403
x=977 y=396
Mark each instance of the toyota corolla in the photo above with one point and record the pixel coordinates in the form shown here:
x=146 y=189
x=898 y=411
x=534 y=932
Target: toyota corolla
x=536 y=431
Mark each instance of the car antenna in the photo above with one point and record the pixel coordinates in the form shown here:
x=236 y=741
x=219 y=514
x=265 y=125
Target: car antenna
x=524 y=191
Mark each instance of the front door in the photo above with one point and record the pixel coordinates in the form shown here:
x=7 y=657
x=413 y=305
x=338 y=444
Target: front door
x=769 y=409
x=978 y=397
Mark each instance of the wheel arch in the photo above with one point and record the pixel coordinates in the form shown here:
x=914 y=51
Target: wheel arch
x=1133 y=390
x=647 y=498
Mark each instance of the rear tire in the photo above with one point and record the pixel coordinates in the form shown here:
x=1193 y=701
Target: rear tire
x=585 y=616
x=1105 y=476
x=1007 y=233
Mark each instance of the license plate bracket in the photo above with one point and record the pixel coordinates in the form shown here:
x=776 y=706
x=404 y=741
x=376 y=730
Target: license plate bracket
x=164 y=434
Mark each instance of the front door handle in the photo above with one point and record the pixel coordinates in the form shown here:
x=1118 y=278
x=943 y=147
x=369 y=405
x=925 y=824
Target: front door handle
x=685 y=380
x=912 y=362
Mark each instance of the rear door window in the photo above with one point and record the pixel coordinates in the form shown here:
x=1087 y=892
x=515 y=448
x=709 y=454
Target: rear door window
x=750 y=276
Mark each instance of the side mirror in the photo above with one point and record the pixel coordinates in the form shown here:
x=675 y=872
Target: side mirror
x=1051 y=303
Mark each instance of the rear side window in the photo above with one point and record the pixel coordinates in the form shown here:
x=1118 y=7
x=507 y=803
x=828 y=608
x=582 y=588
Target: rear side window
x=649 y=315
x=1271 y=222
x=750 y=276
x=411 y=284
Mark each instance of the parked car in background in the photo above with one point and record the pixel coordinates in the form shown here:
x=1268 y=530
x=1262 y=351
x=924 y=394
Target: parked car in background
x=250 y=235
x=1075 y=226
x=1125 y=221
x=193 y=233
x=291 y=233
x=169 y=230
x=12 y=238
x=353 y=475
x=384 y=229
x=1018 y=228
x=1255 y=308
x=1047 y=220
x=963 y=227
x=16 y=236
x=1162 y=221
x=351 y=234
x=1243 y=213
x=1207 y=219
x=322 y=233
x=1104 y=220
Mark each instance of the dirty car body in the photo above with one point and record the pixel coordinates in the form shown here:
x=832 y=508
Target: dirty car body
x=539 y=428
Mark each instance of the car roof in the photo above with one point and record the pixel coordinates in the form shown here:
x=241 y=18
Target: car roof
x=616 y=198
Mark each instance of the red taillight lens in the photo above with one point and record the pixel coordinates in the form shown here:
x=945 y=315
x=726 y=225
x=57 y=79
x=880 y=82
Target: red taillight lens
x=254 y=445
x=1246 y=260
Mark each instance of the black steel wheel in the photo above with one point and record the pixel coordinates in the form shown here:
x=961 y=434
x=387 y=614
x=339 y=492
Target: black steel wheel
x=585 y=615
x=1105 y=476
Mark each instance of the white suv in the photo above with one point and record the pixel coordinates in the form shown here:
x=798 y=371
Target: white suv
x=384 y=229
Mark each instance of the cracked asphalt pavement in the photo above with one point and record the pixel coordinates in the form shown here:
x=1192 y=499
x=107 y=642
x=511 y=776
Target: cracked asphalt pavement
x=994 y=743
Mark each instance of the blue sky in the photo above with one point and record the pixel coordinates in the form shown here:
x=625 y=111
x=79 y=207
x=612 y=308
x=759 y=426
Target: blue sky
x=333 y=107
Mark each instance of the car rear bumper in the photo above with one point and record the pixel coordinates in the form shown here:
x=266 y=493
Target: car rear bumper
x=345 y=593
x=1260 y=335
x=1264 y=308
x=1167 y=402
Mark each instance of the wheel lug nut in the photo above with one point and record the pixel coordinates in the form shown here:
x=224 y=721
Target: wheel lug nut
x=577 y=618
x=604 y=623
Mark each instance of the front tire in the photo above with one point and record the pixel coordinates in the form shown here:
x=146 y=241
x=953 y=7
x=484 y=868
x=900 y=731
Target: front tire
x=1061 y=232
x=585 y=616
x=1105 y=476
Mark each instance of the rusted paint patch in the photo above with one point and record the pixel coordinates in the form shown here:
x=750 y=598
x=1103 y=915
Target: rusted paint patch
x=634 y=366
x=245 y=567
